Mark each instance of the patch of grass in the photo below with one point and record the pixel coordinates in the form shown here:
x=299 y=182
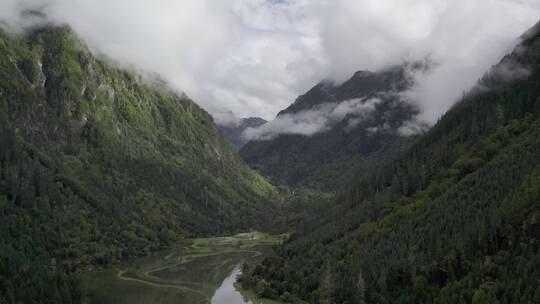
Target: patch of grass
x=192 y=271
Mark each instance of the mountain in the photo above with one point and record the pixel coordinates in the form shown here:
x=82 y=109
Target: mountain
x=364 y=116
x=99 y=165
x=453 y=219
x=233 y=131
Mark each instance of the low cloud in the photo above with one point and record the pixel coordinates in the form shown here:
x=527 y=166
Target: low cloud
x=463 y=37
x=317 y=120
x=509 y=70
x=250 y=57
x=412 y=127
x=253 y=57
x=381 y=128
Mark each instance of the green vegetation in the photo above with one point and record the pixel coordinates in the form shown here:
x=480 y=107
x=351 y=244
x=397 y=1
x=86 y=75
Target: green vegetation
x=312 y=169
x=189 y=273
x=327 y=161
x=99 y=166
x=454 y=219
x=253 y=297
x=109 y=183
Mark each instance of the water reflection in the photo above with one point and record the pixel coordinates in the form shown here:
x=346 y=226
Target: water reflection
x=227 y=294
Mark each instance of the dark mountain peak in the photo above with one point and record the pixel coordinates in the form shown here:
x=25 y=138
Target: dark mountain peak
x=253 y=121
x=337 y=130
x=318 y=94
x=362 y=74
x=362 y=83
x=515 y=66
x=395 y=78
x=533 y=33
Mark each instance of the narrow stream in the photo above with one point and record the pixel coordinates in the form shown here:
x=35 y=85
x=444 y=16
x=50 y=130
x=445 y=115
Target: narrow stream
x=226 y=293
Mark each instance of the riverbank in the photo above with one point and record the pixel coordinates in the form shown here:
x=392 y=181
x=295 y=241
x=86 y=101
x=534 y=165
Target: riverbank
x=189 y=273
x=251 y=296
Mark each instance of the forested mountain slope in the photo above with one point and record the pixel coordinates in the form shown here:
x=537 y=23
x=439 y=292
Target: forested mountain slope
x=98 y=165
x=454 y=219
x=359 y=140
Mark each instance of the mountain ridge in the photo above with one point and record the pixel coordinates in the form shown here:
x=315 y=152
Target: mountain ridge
x=453 y=219
x=98 y=166
x=360 y=138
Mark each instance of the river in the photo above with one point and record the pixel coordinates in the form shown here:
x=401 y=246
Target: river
x=198 y=271
x=227 y=294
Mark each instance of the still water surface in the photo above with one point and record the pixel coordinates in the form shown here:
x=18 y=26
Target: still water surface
x=193 y=272
x=227 y=294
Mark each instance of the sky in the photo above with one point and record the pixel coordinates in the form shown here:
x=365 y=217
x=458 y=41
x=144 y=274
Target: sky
x=242 y=58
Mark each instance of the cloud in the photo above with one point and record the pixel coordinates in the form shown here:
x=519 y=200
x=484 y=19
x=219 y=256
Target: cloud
x=381 y=128
x=509 y=70
x=253 y=57
x=249 y=57
x=412 y=127
x=464 y=37
x=317 y=120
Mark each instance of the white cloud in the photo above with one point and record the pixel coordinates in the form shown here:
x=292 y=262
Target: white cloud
x=381 y=128
x=317 y=120
x=412 y=127
x=253 y=57
x=250 y=57
x=464 y=37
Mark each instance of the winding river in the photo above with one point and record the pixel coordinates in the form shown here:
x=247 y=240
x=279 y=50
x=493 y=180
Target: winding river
x=198 y=271
x=227 y=294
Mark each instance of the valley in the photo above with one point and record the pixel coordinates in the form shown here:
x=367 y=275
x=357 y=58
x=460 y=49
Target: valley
x=194 y=271
x=384 y=187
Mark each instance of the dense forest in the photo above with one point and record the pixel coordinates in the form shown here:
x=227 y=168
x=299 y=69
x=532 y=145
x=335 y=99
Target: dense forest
x=99 y=165
x=454 y=219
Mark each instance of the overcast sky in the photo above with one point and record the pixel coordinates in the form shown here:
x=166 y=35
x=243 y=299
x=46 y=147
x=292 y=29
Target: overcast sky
x=253 y=57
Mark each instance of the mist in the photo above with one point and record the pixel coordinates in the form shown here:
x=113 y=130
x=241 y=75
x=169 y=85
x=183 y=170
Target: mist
x=317 y=120
x=253 y=57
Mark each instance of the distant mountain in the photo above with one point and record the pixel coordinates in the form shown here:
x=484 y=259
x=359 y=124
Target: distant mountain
x=99 y=165
x=368 y=116
x=455 y=218
x=361 y=84
x=233 y=131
